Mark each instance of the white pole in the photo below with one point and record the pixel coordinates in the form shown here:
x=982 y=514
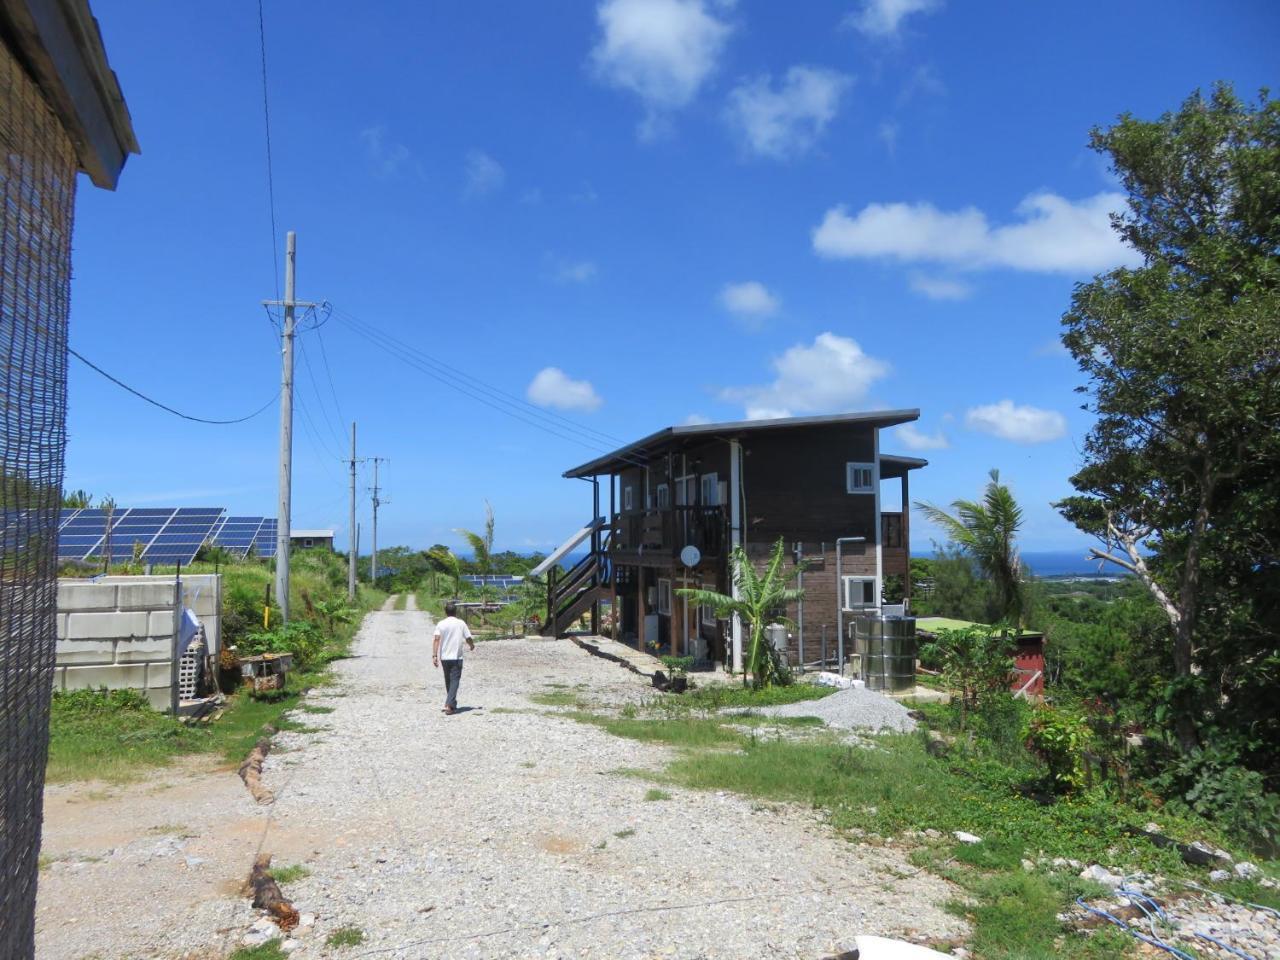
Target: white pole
x=286 y=434
x=351 y=524
x=735 y=540
x=373 y=565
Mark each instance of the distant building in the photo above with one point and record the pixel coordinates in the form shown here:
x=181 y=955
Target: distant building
x=311 y=539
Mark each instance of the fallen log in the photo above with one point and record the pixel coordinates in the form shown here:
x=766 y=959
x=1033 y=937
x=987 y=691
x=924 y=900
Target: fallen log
x=267 y=895
x=251 y=770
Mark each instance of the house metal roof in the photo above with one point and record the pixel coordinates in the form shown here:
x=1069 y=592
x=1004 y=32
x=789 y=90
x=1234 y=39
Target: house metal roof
x=631 y=453
x=313 y=534
x=892 y=465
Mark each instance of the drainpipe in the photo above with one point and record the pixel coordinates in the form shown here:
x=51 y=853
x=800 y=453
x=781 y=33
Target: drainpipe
x=840 y=599
x=798 y=554
x=735 y=540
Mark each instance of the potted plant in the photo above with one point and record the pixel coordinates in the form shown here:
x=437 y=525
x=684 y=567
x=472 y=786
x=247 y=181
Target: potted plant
x=679 y=667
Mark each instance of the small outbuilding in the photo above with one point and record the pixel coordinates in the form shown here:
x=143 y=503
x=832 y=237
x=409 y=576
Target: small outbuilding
x=311 y=539
x=1028 y=652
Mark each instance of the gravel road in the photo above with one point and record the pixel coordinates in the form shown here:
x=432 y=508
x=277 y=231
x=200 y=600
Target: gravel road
x=513 y=834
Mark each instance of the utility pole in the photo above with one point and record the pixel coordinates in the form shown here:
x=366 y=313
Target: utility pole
x=351 y=526
x=283 y=515
x=373 y=564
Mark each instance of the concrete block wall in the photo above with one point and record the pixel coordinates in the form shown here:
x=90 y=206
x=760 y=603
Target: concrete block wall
x=117 y=632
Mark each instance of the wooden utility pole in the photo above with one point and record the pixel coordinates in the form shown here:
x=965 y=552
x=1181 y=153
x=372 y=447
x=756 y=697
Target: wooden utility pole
x=353 y=543
x=283 y=514
x=373 y=564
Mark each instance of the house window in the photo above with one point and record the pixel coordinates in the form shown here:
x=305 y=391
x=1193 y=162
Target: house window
x=628 y=498
x=685 y=489
x=308 y=542
x=710 y=489
x=706 y=612
x=664 y=496
x=860 y=593
x=860 y=477
x=664 y=597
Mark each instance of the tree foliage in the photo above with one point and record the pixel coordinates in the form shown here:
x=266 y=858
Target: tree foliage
x=1181 y=472
x=987 y=531
x=482 y=543
x=760 y=597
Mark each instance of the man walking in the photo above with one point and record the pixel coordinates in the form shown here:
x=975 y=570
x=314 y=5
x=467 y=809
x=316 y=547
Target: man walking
x=446 y=650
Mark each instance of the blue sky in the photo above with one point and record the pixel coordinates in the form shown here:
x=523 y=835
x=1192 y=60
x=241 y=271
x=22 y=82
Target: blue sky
x=627 y=213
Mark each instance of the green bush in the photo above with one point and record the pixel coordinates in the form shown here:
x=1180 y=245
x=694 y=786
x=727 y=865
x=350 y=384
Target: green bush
x=975 y=664
x=1211 y=783
x=1060 y=738
x=298 y=637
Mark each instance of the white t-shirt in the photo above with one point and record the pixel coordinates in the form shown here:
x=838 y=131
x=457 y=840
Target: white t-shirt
x=452 y=632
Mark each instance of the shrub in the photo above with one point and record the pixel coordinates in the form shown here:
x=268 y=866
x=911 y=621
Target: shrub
x=1059 y=738
x=1212 y=783
x=304 y=640
x=975 y=664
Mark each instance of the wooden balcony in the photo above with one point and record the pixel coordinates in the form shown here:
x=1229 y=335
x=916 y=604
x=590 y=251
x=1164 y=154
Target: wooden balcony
x=656 y=537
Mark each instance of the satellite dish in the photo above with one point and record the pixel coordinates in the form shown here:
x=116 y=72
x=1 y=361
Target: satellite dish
x=690 y=556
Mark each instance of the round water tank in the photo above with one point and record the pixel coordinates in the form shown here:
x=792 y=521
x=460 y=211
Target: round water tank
x=888 y=648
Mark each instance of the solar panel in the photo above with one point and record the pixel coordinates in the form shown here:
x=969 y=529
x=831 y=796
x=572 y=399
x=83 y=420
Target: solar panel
x=181 y=538
x=135 y=531
x=265 y=544
x=237 y=534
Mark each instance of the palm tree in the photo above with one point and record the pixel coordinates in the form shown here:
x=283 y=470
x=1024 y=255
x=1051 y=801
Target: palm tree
x=482 y=546
x=447 y=560
x=986 y=531
x=760 y=597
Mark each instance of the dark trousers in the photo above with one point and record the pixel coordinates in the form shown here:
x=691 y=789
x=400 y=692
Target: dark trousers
x=452 y=675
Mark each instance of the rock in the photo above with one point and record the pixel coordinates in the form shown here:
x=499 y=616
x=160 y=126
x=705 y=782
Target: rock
x=1152 y=828
x=1246 y=870
x=1028 y=866
x=1100 y=874
x=290 y=945
x=1218 y=876
x=307 y=920
x=966 y=837
x=265 y=926
x=254 y=939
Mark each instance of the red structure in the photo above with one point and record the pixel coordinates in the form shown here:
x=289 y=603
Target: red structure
x=1029 y=665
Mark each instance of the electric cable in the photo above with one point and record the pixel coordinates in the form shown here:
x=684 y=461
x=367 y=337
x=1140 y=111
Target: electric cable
x=266 y=117
x=168 y=409
x=333 y=391
x=315 y=389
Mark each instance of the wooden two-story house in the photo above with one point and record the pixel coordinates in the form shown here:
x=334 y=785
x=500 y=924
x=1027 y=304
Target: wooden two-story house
x=678 y=500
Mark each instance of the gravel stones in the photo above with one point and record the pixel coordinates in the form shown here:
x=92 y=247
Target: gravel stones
x=851 y=709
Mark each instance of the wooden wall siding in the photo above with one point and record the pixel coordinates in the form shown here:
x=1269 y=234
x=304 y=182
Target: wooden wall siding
x=821 y=593
x=796 y=485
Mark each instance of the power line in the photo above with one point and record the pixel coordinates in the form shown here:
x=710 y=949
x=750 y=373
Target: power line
x=324 y=409
x=324 y=355
x=266 y=117
x=481 y=392
x=165 y=407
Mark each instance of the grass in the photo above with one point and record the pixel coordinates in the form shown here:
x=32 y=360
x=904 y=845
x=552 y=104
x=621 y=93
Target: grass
x=267 y=951
x=896 y=786
x=723 y=696
x=402 y=601
x=623 y=834
x=291 y=873
x=346 y=937
x=555 y=698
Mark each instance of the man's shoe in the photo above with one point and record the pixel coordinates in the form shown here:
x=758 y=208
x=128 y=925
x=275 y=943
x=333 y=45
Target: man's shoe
x=449 y=711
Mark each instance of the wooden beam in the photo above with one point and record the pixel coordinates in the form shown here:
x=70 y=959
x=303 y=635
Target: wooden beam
x=640 y=610
x=906 y=534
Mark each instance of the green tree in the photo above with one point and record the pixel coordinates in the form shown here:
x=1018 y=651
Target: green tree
x=1182 y=368
x=482 y=544
x=987 y=531
x=446 y=561
x=975 y=664
x=760 y=598
x=77 y=499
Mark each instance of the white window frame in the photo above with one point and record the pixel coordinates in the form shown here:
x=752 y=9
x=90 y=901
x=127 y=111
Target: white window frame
x=664 y=496
x=664 y=597
x=628 y=498
x=849 y=470
x=706 y=612
x=847 y=582
x=683 y=484
x=710 y=484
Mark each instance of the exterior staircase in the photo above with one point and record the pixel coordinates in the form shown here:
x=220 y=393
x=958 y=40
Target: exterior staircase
x=571 y=594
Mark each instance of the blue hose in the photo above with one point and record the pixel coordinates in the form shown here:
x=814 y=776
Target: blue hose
x=1156 y=942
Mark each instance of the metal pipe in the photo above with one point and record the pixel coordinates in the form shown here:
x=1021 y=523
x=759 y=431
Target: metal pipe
x=840 y=599
x=799 y=560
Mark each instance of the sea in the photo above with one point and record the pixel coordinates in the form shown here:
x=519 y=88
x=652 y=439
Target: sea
x=1060 y=563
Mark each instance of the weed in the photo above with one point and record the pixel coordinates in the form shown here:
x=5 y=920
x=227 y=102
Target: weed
x=310 y=708
x=267 y=951
x=653 y=793
x=623 y=834
x=346 y=937
x=294 y=871
x=555 y=698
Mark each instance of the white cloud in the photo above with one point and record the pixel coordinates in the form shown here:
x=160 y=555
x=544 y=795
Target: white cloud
x=883 y=18
x=1053 y=347
x=575 y=271
x=786 y=121
x=386 y=157
x=1021 y=424
x=552 y=387
x=484 y=174
x=660 y=50
x=827 y=376
x=888 y=134
x=915 y=439
x=750 y=299
x=696 y=420
x=940 y=288
x=1054 y=235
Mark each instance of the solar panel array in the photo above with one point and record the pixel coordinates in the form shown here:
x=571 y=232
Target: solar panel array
x=166 y=535
x=504 y=583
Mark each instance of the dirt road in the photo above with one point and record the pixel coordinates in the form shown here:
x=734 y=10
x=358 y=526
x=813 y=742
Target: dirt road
x=508 y=831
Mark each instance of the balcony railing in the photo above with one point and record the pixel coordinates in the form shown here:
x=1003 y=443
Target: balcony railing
x=671 y=530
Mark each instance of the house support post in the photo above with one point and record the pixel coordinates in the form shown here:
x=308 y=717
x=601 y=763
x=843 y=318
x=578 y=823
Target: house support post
x=735 y=540
x=595 y=552
x=640 y=610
